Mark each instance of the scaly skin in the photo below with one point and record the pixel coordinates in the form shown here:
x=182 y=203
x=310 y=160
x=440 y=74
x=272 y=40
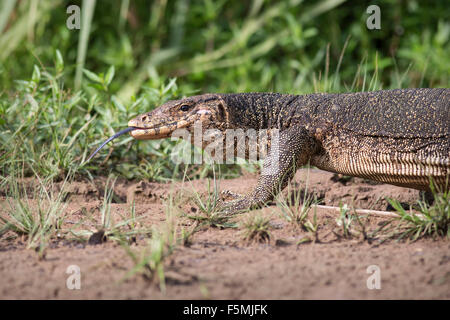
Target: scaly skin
x=400 y=137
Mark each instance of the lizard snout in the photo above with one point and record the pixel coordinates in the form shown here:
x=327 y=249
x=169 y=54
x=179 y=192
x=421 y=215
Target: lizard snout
x=140 y=121
x=133 y=123
x=157 y=128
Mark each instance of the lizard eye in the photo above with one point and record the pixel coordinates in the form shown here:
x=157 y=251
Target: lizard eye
x=185 y=107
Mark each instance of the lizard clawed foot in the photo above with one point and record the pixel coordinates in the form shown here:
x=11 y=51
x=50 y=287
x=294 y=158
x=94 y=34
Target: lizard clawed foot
x=233 y=203
x=240 y=205
x=227 y=194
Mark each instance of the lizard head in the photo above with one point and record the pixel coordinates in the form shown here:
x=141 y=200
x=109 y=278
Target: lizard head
x=209 y=109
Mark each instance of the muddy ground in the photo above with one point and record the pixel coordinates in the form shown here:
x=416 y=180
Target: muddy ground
x=220 y=263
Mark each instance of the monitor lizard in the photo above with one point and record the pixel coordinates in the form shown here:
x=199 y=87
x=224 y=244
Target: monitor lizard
x=400 y=137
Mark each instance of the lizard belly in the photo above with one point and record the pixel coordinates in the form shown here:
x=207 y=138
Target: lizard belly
x=383 y=162
x=403 y=170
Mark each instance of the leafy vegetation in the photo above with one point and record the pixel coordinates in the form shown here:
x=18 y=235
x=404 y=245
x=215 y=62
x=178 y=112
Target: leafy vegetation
x=210 y=214
x=164 y=240
x=295 y=206
x=431 y=220
x=38 y=214
x=64 y=91
x=256 y=228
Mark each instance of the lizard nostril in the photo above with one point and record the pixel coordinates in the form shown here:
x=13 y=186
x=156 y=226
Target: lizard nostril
x=144 y=118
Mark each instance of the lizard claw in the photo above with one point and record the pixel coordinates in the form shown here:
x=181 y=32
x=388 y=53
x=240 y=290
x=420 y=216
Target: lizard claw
x=240 y=205
x=227 y=194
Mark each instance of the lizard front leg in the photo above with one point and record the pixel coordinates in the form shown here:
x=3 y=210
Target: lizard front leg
x=292 y=149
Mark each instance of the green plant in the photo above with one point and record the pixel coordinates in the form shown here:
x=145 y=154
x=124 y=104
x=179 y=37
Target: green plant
x=38 y=216
x=124 y=230
x=60 y=100
x=150 y=261
x=257 y=228
x=295 y=206
x=163 y=241
x=430 y=221
x=210 y=209
x=345 y=220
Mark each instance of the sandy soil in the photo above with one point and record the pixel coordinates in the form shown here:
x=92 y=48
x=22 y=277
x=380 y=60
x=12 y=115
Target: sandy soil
x=219 y=263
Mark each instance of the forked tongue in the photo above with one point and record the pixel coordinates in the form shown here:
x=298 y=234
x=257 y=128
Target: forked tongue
x=118 y=134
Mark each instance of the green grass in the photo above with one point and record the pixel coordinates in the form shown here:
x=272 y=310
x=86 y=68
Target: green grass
x=209 y=207
x=426 y=221
x=37 y=215
x=149 y=260
x=345 y=220
x=124 y=229
x=296 y=205
x=256 y=228
x=268 y=46
x=52 y=131
x=63 y=92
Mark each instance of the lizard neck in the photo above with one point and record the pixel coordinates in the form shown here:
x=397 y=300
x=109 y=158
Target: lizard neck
x=257 y=110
